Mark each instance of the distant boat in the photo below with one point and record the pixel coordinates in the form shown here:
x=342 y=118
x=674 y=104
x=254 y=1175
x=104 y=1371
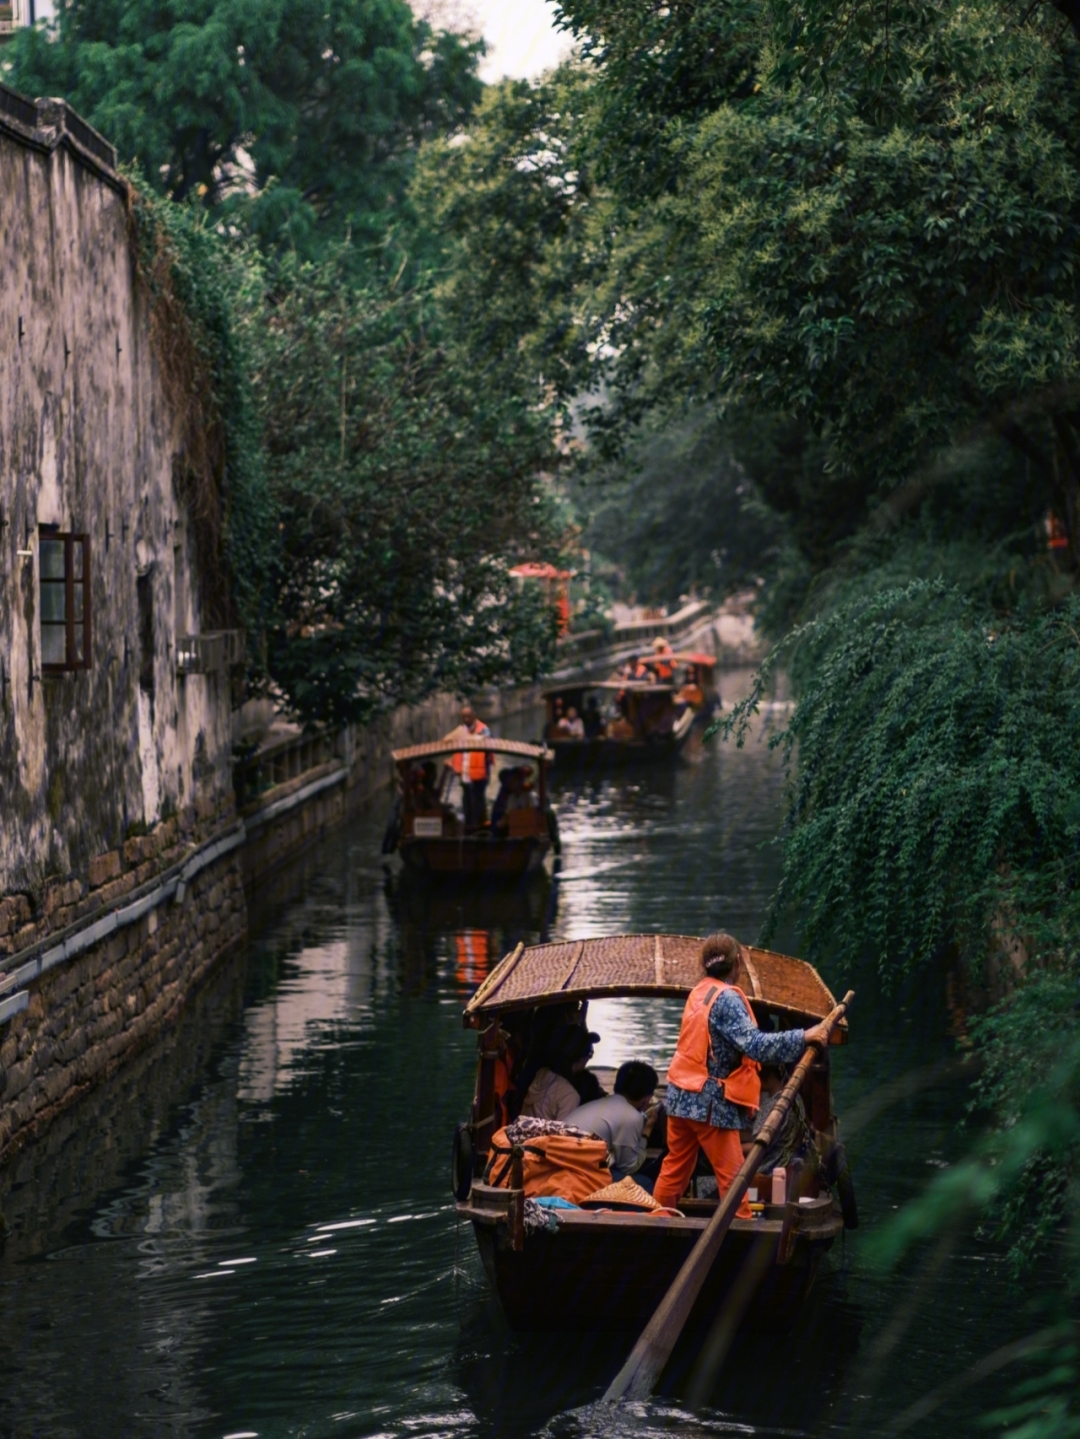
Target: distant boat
x=429 y=832
x=598 y=1269
x=629 y=721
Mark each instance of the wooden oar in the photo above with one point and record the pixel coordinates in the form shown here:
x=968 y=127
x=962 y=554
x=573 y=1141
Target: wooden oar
x=635 y=1380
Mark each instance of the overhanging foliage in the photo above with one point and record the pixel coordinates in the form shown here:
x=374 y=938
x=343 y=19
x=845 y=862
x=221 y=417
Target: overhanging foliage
x=934 y=779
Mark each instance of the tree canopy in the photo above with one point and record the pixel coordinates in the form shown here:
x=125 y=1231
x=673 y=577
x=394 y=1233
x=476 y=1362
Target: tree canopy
x=868 y=225
x=404 y=491
x=303 y=117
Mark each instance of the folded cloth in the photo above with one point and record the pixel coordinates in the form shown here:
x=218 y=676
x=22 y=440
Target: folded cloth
x=528 y=1127
x=539 y=1218
x=625 y=1195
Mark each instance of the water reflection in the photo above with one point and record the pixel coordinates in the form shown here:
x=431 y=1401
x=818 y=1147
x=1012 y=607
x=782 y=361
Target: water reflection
x=251 y=1230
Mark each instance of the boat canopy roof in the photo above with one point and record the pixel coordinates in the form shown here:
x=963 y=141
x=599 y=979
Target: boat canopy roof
x=436 y=747
x=641 y=964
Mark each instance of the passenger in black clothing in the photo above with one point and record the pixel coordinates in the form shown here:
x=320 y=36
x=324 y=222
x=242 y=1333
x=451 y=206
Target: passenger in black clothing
x=587 y=1086
x=593 y=719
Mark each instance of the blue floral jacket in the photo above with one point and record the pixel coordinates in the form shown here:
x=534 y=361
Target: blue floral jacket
x=733 y=1034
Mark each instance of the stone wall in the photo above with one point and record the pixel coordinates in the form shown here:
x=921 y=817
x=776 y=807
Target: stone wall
x=120 y=875
x=87 y=1148
x=89 y=447
x=85 y=1017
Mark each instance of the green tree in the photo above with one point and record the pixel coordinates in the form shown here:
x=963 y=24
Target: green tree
x=404 y=491
x=519 y=226
x=303 y=114
x=888 y=256
x=680 y=510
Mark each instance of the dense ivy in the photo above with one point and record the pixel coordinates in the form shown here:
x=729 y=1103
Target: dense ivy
x=192 y=281
x=935 y=786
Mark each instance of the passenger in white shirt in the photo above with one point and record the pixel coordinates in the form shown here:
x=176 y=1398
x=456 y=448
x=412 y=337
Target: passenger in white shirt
x=624 y=1120
x=551 y=1095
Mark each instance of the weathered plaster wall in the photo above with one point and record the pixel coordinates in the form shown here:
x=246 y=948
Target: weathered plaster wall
x=87 y=443
x=120 y=871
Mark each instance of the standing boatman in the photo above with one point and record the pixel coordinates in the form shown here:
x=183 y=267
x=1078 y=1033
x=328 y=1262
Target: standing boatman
x=713 y=1084
x=663 y=663
x=474 y=769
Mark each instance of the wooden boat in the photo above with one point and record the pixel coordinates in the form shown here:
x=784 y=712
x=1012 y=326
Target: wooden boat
x=429 y=832
x=611 y=1269
x=633 y=721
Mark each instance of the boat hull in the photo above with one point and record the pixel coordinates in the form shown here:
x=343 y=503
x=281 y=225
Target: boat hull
x=613 y=1273
x=467 y=855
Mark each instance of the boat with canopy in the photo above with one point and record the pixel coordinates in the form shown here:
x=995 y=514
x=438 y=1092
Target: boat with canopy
x=628 y=721
x=427 y=826
x=605 y=1262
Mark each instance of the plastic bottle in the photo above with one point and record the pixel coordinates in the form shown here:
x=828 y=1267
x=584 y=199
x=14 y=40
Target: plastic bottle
x=779 y=1185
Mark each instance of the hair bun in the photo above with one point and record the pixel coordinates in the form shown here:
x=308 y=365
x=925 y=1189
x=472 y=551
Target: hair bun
x=720 y=954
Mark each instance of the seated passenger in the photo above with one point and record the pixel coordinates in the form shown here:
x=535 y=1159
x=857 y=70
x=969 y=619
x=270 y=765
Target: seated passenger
x=507 y=779
x=592 y=719
x=624 y=1120
x=424 y=780
x=587 y=1085
x=691 y=693
x=557 y=718
x=575 y=727
x=515 y=792
x=795 y=1139
x=523 y=796
x=551 y=1095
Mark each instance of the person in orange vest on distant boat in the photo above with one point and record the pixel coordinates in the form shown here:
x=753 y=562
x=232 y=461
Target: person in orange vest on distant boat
x=713 y=1085
x=473 y=767
x=663 y=662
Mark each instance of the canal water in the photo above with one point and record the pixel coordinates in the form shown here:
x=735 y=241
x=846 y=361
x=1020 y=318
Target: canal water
x=249 y=1232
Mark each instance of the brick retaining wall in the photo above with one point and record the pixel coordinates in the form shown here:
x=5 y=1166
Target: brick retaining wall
x=86 y=1016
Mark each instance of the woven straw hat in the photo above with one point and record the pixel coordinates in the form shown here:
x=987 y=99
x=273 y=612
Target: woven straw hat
x=625 y=1192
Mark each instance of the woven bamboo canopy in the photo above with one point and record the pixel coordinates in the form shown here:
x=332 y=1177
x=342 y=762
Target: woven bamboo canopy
x=450 y=745
x=642 y=964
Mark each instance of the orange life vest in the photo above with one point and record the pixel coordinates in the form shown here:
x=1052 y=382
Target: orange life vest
x=554 y=1164
x=503 y=1085
x=473 y=764
x=690 y=1068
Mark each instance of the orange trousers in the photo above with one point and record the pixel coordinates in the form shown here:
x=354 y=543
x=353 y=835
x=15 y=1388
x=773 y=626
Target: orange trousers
x=685 y=1137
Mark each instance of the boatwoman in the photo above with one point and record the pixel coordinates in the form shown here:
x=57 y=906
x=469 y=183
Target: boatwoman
x=713 y=1083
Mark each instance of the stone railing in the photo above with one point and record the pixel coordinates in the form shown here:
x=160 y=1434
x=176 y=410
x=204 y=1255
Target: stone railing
x=48 y=123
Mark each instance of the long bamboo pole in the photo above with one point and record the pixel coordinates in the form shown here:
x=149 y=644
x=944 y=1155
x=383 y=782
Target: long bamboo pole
x=638 y=1376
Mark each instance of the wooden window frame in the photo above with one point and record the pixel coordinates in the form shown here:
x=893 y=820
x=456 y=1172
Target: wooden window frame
x=71 y=624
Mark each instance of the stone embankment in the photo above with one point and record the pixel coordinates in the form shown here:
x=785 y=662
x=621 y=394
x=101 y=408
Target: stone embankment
x=92 y=970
